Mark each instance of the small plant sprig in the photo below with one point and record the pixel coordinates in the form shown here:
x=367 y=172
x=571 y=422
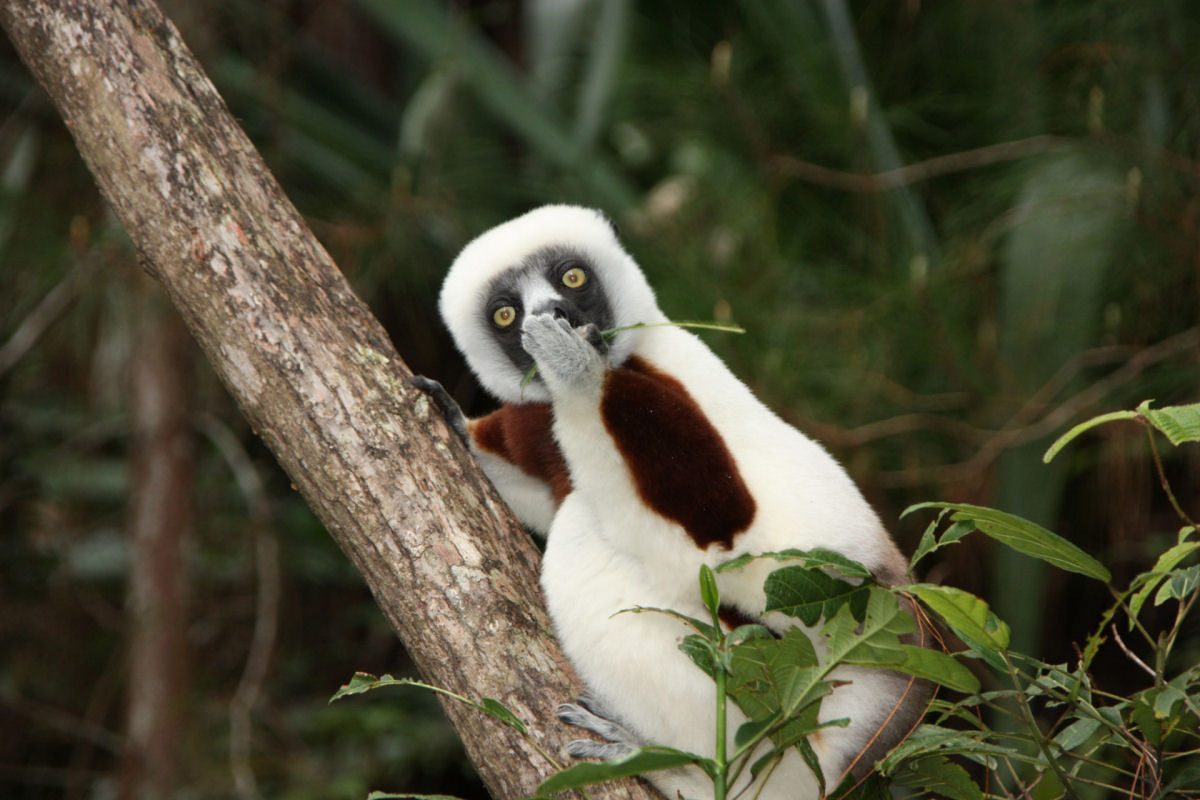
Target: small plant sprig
x=1062 y=736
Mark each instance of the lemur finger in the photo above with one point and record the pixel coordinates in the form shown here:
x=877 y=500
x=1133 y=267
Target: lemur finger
x=582 y=717
x=450 y=409
x=605 y=751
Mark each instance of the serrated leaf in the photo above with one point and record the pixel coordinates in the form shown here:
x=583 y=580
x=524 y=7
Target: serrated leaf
x=1178 y=423
x=810 y=594
x=639 y=762
x=875 y=642
x=930 y=543
x=927 y=544
x=969 y=617
x=1025 y=537
x=778 y=678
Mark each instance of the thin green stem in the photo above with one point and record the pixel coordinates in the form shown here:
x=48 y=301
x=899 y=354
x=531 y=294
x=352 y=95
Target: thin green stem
x=1036 y=731
x=719 y=781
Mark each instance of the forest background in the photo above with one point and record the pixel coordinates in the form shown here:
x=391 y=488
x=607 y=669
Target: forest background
x=950 y=231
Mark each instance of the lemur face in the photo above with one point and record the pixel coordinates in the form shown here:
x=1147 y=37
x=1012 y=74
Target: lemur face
x=554 y=257
x=554 y=280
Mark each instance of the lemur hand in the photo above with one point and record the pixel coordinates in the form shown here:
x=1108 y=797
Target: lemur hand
x=450 y=409
x=566 y=357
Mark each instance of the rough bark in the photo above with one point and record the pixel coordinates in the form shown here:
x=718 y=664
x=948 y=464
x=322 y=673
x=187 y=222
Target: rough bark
x=310 y=367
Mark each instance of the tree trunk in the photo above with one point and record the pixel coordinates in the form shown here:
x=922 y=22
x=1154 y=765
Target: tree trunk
x=311 y=369
x=159 y=516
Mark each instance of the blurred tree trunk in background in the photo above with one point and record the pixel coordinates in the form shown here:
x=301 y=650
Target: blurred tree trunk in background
x=312 y=370
x=159 y=518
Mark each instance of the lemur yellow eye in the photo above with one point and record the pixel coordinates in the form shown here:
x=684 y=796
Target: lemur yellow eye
x=504 y=316
x=574 y=277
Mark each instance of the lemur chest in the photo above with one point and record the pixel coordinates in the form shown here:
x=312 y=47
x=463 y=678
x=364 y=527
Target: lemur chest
x=650 y=437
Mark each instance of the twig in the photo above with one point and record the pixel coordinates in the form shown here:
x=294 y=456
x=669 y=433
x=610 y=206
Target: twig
x=1132 y=655
x=266 y=618
x=1018 y=430
x=38 y=321
x=868 y=182
x=1162 y=478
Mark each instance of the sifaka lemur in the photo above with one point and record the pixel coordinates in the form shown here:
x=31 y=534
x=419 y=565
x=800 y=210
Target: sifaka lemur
x=641 y=457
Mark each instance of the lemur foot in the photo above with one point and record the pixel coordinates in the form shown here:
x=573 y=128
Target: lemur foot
x=619 y=741
x=449 y=408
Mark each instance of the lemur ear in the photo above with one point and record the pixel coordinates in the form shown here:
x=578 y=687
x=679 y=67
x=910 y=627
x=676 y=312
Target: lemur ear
x=612 y=223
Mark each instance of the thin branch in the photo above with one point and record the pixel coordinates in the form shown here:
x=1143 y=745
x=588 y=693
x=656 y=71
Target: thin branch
x=266 y=617
x=1020 y=430
x=868 y=182
x=1132 y=655
x=39 y=320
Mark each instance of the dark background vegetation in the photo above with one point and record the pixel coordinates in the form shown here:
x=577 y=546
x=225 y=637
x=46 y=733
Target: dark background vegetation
x=933 y=326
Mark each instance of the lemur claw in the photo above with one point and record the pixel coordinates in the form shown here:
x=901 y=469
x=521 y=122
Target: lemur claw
x=449 y=408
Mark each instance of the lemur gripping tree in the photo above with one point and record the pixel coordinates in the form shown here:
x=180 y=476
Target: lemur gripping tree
x=642 y=457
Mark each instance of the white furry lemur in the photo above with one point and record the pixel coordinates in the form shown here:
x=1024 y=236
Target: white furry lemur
x=641 y=458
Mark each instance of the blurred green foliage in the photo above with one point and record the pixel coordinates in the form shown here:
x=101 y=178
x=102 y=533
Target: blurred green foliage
x=831 y=175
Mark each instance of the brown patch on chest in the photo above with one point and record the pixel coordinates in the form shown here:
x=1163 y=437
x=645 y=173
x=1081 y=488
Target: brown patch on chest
x=522 y=434
x=680 y=464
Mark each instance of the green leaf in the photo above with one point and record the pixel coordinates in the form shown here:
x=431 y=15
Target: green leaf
x=810 y=594
x=709 y=593
x=703 y=628
x=942 y=777
x=1077 y=733
x=497 y=710
x=929 y=740
x=1179 y=585
x=778 y=678
x=809 y=559
x=1178 y=423
x=930 y=543
x=1025 y=537
x=703 y=652
x=639 y=762
x=1166 y=562
x=390 y=796
x=363 y=682
x=875 y=642
x=969 y=617
x=1082 y=427
x=938 y=667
